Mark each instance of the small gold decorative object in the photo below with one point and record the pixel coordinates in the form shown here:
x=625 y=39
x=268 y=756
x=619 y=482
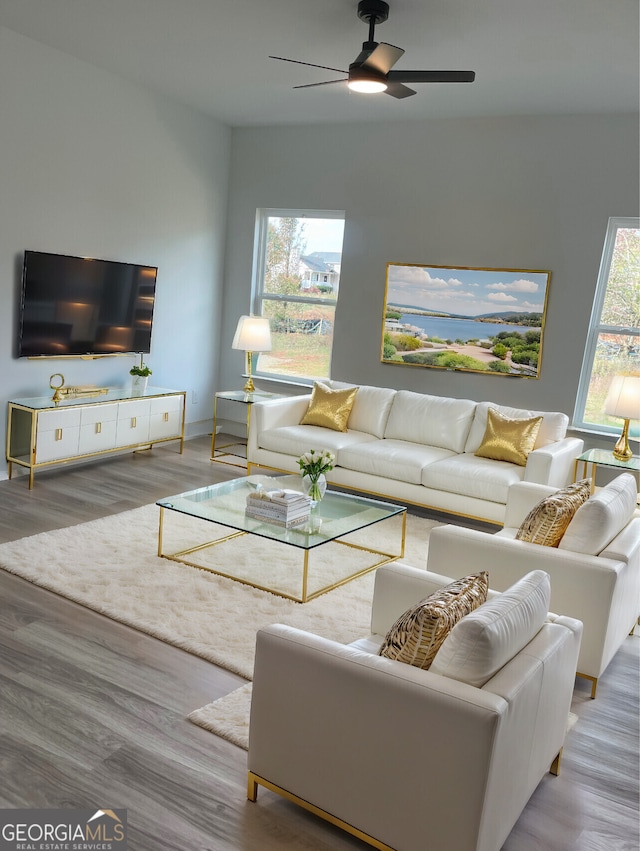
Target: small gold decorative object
x=61 y=392
x=57 y=388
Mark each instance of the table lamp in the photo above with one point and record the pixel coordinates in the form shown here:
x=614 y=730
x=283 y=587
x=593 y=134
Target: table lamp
x=623 y=400
x=252 y=335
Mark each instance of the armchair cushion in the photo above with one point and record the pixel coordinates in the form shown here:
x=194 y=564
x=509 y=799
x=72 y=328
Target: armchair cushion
x=418 y=633
x=547 y=521
x=597 y=522
x=482 y=643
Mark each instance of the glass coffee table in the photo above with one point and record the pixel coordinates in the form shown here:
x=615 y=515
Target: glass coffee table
x=273 y=558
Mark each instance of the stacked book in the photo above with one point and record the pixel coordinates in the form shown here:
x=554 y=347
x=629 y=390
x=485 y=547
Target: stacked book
x=283 y=507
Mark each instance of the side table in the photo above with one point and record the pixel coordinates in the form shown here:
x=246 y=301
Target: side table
x=603 y=458
x=246 y=399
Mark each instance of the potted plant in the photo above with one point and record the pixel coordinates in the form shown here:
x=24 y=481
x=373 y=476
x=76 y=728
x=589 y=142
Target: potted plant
x=140 y=375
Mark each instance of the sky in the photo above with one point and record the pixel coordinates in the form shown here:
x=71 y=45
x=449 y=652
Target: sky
x=323 y=234
x=471 y=292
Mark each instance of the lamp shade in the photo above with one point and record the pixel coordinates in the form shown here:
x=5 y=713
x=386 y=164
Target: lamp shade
x=623 y=398
x=252 y=334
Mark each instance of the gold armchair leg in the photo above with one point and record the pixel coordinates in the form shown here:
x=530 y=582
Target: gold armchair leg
x=555 y=765
x=252 y=788
x=592 y=680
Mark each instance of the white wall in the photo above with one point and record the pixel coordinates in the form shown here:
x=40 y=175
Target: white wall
x=94 y=166
x=524 y=192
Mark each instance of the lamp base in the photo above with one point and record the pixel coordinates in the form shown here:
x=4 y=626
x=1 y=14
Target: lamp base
x=249 y=387
x=622 y=450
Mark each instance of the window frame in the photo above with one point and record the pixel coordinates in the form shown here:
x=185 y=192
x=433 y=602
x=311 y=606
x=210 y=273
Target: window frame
x=596 y=327
x=258 y=296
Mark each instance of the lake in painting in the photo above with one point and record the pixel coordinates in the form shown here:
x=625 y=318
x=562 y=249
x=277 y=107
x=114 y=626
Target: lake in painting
x=460 y=329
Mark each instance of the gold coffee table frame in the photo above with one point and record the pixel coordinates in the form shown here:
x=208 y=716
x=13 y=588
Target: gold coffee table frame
x=223 y=504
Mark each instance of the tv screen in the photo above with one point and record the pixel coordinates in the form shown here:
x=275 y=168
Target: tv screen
x=80 y=306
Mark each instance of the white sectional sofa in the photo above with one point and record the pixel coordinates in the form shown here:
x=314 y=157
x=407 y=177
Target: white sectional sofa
x=415 y=448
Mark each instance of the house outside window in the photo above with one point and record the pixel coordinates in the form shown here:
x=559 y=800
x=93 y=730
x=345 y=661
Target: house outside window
x=613 y=342
x=296 y=279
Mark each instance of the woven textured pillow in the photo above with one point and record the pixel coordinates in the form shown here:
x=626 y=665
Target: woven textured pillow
x=547 y=521
x=417 y=635
x=329 y=408
x=506 y=439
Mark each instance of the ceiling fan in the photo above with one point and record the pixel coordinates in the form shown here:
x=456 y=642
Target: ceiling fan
x=371 y=71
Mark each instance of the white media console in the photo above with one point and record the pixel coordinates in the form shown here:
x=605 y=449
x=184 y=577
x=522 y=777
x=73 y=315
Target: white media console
x=42 y=432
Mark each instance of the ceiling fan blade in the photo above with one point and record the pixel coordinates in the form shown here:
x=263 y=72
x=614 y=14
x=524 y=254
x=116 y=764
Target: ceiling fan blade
x=383 y=57
x=311 y=64
x=327 y=83
x=397 y=90
x=431 y=76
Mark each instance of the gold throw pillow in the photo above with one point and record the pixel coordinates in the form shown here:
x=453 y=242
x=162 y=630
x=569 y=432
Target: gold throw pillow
x=506 y=439
x=417 y=635
x=329 y=408
x=547 y=521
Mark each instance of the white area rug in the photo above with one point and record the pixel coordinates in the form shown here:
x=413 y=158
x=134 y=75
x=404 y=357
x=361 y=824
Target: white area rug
x=111 y=565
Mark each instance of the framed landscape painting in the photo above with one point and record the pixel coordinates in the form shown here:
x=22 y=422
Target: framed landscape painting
x=464 y=318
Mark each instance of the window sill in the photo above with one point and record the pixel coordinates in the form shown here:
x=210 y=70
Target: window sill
x=302 y=383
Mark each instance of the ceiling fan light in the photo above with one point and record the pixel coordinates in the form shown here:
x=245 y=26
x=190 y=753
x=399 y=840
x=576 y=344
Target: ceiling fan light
x=367 y=87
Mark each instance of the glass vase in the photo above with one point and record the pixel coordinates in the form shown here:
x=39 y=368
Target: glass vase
x=314 y=487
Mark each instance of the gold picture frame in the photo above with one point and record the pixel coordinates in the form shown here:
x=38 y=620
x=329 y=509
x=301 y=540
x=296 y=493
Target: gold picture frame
x=467 y=318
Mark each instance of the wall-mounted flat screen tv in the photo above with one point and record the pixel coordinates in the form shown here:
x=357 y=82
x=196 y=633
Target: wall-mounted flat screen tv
x=80 y=306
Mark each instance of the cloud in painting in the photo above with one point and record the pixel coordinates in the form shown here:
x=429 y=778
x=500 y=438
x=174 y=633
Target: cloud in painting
x=522 y=285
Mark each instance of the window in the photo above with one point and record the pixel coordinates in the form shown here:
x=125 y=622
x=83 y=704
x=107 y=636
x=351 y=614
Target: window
x=613 y=342
x=296 y=279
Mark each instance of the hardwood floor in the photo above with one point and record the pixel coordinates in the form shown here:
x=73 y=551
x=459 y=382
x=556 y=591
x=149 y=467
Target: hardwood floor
x=93 y=713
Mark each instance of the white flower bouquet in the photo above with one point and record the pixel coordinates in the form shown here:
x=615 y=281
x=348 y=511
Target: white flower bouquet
x=314 y=464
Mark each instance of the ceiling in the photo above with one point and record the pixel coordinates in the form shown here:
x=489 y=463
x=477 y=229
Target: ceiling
x=530 y=56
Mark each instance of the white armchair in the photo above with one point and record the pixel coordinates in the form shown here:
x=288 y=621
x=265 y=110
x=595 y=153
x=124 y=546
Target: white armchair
x=400 y=757
x=603 y=591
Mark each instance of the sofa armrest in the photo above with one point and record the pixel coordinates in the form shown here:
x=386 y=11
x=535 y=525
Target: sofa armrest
x=626 y=545
x=274 y=414
x=521 y=498
x=554 y=464
x=397 y=587
x=342 y=729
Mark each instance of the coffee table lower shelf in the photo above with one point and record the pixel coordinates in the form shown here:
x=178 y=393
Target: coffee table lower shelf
x=305 y=594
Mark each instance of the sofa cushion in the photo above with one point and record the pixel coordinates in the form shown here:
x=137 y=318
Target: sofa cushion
x=468 y=475
x=393 y=459
x=329 y=408
x=295 y=440
x=552 y=428
x=508 y=439
x=548 y=520
x=371 y=408
x=417 y=634
x=485 y=640
x=597 y=521
x=430 y=420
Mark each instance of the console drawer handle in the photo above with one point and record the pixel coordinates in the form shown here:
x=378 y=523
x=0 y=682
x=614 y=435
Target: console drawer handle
x=98 y=428
x=134 y=421
x=58 y=434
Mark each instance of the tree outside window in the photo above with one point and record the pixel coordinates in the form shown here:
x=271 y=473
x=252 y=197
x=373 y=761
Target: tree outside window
x=298 y=257
x=613 y=344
